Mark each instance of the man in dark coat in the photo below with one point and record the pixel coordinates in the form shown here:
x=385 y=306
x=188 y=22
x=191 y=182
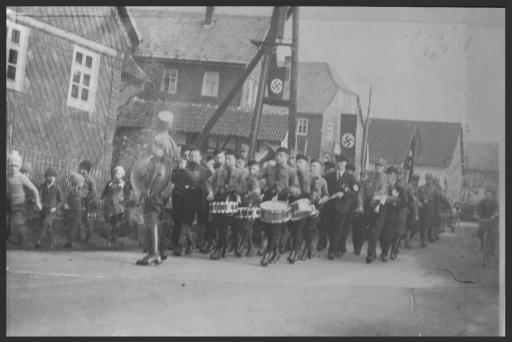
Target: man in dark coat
x=343 y=188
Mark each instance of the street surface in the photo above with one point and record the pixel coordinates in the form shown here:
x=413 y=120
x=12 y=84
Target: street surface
x=104 y=293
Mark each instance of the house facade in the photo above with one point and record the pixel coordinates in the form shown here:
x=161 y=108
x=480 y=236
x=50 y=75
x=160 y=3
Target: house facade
x=326 y=111
x=198 y=58
x=438 y=149
x=64 y=67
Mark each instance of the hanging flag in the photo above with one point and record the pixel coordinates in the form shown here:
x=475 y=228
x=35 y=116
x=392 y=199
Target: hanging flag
x=275 y=85
x=347 y=136
x=409 y=159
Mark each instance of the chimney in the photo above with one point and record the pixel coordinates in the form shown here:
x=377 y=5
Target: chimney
x=208 y=19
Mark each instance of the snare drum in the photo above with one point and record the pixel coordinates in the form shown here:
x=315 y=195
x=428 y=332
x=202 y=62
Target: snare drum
x=275 y=212
x=302 y=208
x=248 y=213
x=225 y=208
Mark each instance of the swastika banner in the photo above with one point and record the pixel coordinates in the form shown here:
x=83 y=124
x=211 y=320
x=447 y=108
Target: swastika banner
x=275 y=84
x=348 y=136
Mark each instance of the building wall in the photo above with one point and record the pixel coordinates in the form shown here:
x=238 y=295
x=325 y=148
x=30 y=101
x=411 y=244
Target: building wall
x=190 y=80
x=41 y=121
x=310 y=144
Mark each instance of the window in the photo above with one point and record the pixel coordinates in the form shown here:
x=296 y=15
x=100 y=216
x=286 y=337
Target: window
x=170 y=81
x=210 y=84
x=83 y=80
x=16 y=52
x=330 y=130
x=302 y=127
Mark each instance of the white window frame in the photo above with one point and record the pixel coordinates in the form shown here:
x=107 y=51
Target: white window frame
x=330 y=130
x=174 y=84
x=210 y=86
x=21 y=48
x=78 y=103
x=302 y=126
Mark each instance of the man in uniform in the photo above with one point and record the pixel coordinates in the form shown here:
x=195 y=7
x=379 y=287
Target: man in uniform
x=397 y=203
x=322 y=226
x=354 y=218
x=413 y=216
x=374 y=210
x=243 y=228
x=343 y=189
x=278 y=180
x=224 y=185
x=319 y=196
x=195 y=202
x=428 y=196
x=296 y=227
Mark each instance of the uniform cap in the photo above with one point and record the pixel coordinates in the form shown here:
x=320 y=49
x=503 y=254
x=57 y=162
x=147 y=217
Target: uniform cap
x=391 y=169
x=301 y=156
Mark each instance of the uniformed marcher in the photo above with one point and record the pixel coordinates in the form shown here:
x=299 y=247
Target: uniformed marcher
x=243 y=227
x=428 y=196
x=224 y=185
x=353 y=216
x=147 y=174
x=343 y=188
x=278 y=180
x=319 y=196
x=375 y=189
x=322 y=226
x=296 y=227
x=359 y=222
x=181 y=183
x=398 y=206
x=195 y=203
x=413 y=217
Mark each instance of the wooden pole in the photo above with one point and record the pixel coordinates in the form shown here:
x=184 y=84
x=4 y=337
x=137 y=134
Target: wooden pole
x=201 y=139
x=292 y=112
x=365 y=133
x=256 y=118
x=267 y=50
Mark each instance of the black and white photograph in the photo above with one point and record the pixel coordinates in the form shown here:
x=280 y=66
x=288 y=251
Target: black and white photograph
x=255 y=171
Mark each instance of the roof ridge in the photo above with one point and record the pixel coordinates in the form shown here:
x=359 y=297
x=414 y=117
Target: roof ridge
x=415 y=121
x=200 y=14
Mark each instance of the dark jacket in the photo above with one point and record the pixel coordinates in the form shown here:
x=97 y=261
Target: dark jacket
x=346 y=184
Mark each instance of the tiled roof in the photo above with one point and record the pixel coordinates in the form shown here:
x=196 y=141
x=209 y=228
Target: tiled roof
x=390 y=139
x=191 y=118
x=181 y=35
x=101 y=24
x=318 y=84
x=481 y=156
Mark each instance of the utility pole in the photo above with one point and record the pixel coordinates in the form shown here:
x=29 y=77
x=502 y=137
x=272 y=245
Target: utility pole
x=268 y=47
x=292 y=111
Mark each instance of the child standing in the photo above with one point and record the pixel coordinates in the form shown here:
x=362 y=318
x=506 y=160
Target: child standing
x=16 y=195
x=113 y=205
x=73 y=207
x=52 y=200
x=88 y=195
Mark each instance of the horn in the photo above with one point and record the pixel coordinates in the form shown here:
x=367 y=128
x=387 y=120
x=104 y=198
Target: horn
x=267 y=154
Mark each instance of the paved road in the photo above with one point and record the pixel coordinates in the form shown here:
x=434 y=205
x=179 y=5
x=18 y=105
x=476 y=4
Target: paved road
x=104 y=293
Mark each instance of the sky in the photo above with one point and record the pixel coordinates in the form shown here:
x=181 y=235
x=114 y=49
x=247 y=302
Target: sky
x=439 y=64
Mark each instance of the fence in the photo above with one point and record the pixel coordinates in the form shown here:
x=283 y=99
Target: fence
x=41 y=161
